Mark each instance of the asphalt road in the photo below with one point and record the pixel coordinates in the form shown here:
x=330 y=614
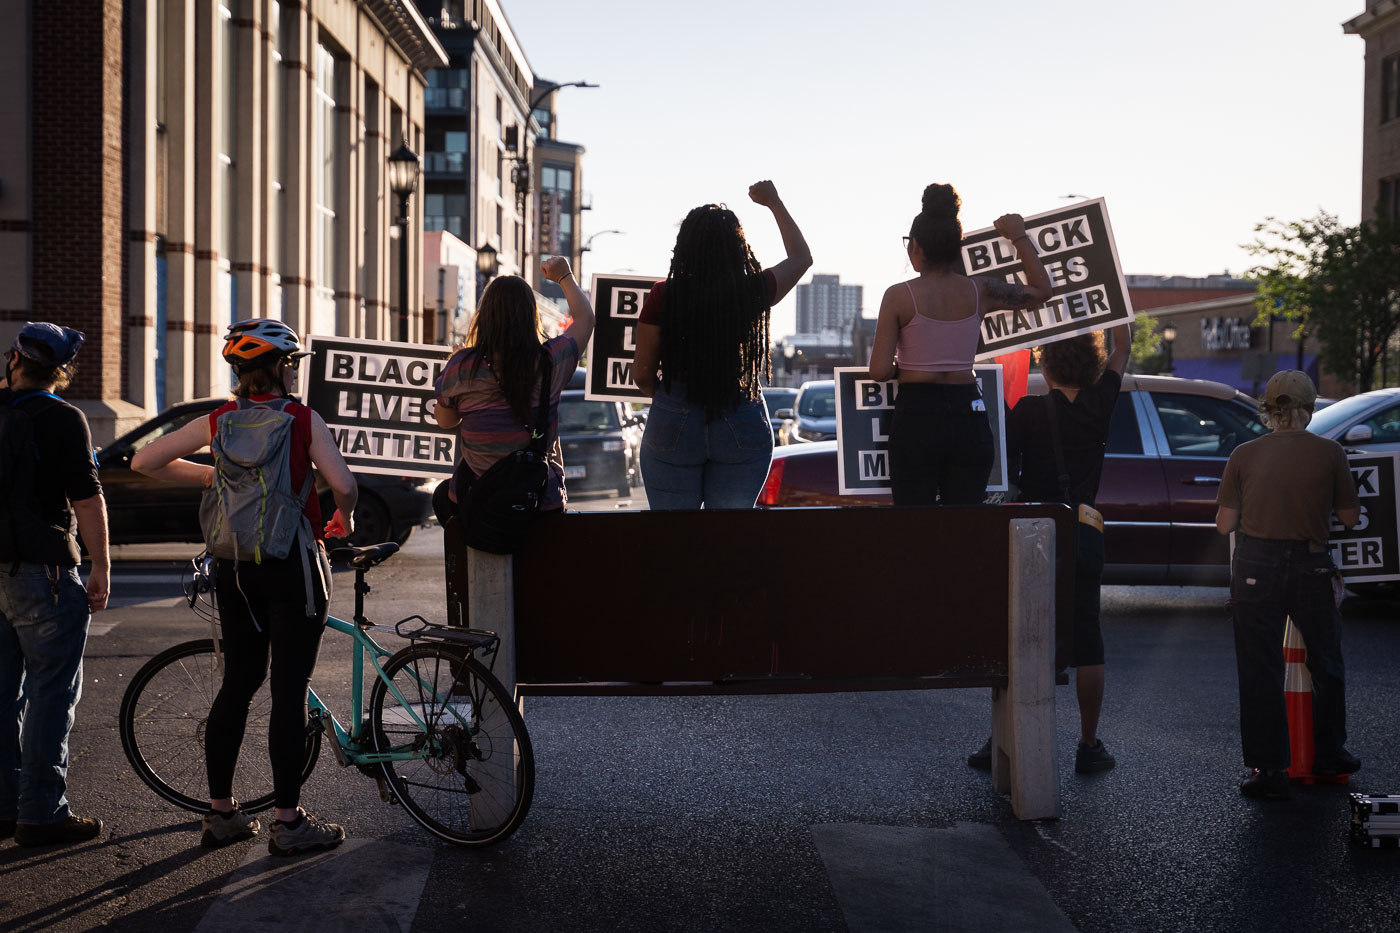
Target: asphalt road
x=801 y=813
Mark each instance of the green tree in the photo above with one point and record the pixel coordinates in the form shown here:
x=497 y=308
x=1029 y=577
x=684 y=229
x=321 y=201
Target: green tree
x=1340 y=283
x=1147 y=355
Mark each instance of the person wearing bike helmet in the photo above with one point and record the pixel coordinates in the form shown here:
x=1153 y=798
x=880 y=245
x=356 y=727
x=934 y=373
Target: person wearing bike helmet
x=262 y=606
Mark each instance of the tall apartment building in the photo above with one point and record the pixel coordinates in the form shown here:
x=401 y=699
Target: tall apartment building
x=172 y=166
x=824 y=304
x=495 y=175
x=1379 y=27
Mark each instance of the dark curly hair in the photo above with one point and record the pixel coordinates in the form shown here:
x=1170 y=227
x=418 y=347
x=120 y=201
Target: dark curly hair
x=1076 y=362
x=505 y=332
x=714 y=322
x=937 y=228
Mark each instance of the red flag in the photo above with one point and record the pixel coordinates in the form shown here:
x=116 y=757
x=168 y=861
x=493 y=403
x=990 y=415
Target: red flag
x=1015 y=370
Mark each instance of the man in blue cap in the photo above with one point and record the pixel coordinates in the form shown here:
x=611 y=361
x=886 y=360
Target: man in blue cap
x=47 y=479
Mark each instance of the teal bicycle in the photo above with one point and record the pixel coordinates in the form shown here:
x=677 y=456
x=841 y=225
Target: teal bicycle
x=440 y=734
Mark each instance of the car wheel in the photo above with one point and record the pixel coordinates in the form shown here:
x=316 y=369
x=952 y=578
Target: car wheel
x=372 y=521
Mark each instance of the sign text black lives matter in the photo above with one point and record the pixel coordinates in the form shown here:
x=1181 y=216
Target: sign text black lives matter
x=1370 y=552
x=863 y=410
x=377 y=399
x=617 y=302
x=1076 y=245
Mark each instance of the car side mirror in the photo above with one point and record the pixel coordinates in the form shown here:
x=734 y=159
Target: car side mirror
x=784 y=414
x=1359 y=432
x=116 y=453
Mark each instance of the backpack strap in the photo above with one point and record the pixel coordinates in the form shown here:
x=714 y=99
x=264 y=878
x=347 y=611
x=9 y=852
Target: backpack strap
x=1063 y=477
x=35 y=394
x=541 y=429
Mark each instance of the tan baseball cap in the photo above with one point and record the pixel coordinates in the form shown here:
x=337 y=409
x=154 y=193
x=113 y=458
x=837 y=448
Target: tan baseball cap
x=1290 y=388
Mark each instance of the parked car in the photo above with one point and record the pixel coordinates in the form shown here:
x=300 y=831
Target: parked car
x=812 y=417
x=602 y=444
x=1167 y=446
x=1369 y=421
x=141 y=509
x=778 y=399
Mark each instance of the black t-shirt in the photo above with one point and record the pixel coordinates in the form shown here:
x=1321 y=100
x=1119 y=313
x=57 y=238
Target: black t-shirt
x=1083 y=436
x=66 y=471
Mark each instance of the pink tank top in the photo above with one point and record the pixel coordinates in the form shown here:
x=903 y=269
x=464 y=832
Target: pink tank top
x=928 y=345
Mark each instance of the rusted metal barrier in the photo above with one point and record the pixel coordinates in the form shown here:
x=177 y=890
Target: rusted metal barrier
x=792 y=601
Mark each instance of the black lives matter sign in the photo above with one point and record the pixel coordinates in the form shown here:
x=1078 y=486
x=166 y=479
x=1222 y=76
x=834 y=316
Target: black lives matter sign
x=863 y=410
x=377 y=399
x=1076 y=245
x=1370 y=552
x=617 y=303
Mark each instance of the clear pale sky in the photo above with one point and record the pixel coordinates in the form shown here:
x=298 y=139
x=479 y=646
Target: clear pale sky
x=1194 y=120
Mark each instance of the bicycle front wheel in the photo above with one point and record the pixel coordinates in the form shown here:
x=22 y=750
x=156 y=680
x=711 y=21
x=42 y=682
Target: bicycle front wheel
x=162 y=722
x=469 y=772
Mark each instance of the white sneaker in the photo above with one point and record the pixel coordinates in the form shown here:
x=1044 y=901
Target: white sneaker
x=306 y=834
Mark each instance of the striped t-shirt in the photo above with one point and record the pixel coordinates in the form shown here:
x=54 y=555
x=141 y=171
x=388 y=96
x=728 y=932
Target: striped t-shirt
x=489 y=428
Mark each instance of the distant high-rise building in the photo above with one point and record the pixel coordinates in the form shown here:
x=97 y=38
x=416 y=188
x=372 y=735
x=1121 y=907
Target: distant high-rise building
x=825 y=304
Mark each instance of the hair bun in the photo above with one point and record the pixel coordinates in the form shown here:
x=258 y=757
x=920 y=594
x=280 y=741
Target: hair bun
x=942 y=199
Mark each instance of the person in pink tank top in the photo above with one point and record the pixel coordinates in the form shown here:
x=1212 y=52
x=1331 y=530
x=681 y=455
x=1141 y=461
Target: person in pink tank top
x=940 y=443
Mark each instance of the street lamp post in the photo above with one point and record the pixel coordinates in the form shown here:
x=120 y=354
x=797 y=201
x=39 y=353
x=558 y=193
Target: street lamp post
x=588 y=244
x=487 y=265
x=1168 y=338
x=520 y=175
x=403 y=180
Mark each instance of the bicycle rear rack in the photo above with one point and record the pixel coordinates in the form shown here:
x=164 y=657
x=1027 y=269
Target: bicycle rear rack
x=477 y=641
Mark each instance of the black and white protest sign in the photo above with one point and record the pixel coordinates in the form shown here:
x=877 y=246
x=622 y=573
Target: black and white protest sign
x=377 y=399
x=1076 y=245
x=1370 y=552
x=617 y=302
x=863 y=410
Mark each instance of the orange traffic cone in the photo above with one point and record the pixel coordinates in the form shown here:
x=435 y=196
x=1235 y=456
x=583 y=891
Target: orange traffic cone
x=1297 y=695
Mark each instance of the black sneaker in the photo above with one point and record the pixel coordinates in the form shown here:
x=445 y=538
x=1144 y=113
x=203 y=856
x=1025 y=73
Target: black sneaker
x=1266 y=785
x=65 y=832
x=1091 y=758
x=1343 y=763
x=982 y=758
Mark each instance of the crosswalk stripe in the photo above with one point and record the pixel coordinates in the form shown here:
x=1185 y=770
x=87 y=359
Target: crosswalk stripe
x=363 y=884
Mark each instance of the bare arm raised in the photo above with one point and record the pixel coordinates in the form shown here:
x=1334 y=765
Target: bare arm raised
x=998 y=294
x=799 y=256
x=556 y=269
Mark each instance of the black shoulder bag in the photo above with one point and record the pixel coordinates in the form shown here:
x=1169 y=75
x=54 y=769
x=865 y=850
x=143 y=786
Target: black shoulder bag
x=496 y=511
x=1086 y=514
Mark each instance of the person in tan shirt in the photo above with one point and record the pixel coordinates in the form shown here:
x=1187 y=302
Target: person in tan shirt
x=1278 y=494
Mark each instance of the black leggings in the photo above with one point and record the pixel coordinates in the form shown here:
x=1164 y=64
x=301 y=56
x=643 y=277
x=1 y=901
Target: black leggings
x=274 y=595
x=940 y=446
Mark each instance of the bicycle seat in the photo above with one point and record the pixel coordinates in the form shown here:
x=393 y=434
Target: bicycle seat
x=363 y=558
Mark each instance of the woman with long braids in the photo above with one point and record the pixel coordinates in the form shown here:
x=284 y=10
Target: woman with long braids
x=940 y=440
x=702 y=353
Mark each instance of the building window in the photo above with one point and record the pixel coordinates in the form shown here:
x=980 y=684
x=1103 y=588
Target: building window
x=1390 y=88
x=1389 y=206
x=445 y=212
x=324 y=171
x=447 y=89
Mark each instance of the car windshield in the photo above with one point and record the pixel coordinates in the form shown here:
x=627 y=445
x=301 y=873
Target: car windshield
x=584 y=417
x=1339 y=413
x=817 y=402
x=779 y=398
x=155 y=429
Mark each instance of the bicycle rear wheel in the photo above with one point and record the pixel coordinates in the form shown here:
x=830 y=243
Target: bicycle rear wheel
x=162 y=722
x=473 y=772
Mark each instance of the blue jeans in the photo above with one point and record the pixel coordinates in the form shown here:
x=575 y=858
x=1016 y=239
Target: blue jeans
x=687 y=463
x=1269 y=582
x=43 y=628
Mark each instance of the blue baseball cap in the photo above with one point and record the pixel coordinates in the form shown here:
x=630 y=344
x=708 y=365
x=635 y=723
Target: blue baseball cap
x=49 y=344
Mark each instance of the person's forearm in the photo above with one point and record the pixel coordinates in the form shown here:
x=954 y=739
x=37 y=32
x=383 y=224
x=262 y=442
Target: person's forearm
x=176 y=471
x=646 y=382
x=794 y=244
x=92 y=525
x=345 y=502
x=1036 y=276
x=579 y=307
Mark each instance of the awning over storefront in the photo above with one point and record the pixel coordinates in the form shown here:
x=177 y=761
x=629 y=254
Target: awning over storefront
x=1227 y=369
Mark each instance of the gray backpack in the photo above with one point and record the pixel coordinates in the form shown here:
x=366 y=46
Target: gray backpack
x=250 y=511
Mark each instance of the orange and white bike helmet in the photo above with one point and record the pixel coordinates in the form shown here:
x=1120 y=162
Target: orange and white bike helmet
x=259 y=343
